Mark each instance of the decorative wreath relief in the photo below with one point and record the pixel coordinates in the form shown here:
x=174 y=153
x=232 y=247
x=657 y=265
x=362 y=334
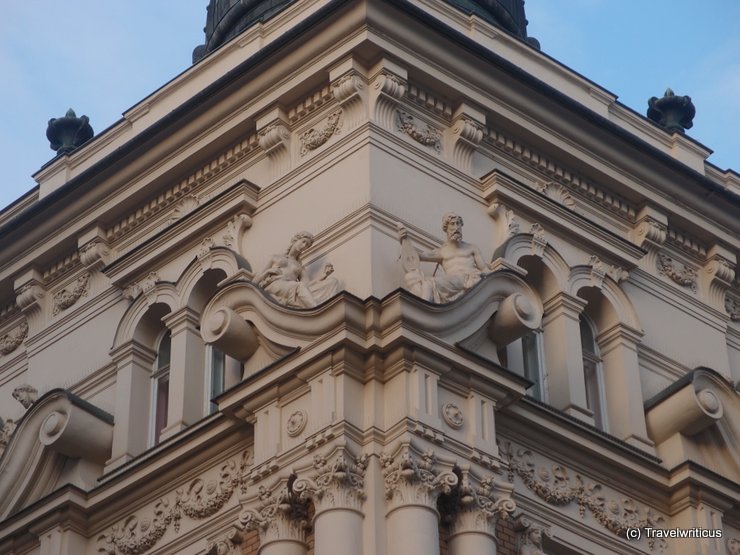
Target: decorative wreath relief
x=453 y=415
x=686 y=276
x=427 y=137
x=314 y=138
x=296 y=423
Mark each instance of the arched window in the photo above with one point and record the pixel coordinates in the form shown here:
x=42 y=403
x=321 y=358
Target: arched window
x=592 y=373
x=525 y=357
x=161 y=387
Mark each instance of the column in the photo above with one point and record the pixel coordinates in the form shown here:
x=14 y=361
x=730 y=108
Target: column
x=337 y=491
x=187 y=372
x=412 y=486
x=562 y=338
x=280 y=520
x=134 y=363
x=479 y=505
x=624 y=405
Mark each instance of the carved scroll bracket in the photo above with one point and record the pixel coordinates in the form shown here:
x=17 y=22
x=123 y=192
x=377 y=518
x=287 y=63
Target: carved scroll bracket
x=530 y=535
x=30 y=292
x=717 y=275
x=146 y=286
x=467 y=132
x=388 y=86
x=349 y=89
x=539 y=239
x=650 y=233
x=273 y=132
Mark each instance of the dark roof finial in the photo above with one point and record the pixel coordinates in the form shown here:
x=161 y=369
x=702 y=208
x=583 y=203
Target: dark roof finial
x=67 y=133
x=675 y=113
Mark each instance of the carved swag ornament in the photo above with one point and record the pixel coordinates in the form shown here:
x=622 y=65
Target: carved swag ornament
x=199 y=500
x=554 y=484
x=12 y=340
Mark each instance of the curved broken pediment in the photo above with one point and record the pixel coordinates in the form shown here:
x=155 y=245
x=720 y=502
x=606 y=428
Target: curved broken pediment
x=61 y=440
x=697 y=418
x=240 y=318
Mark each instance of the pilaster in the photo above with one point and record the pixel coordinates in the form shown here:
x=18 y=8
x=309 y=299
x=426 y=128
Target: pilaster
x=187 y=371
x=562 y=338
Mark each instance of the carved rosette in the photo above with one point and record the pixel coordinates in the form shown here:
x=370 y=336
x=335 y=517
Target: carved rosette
x=336 y=484
x=681 y=274
x=201 y=499
x=388 y=90
x=411 y=479
x=280 y=516
x=13 y=339
x=476 y=505
x=296 y=423
x=453 y=416
x=68 y=296
x=426 y=136
x=554 y=484
x=314 y=138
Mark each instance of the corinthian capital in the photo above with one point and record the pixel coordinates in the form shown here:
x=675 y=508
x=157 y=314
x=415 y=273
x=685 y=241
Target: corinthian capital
x=477 y=504
x=279 y=516
x=414 y=479
x=337 y=483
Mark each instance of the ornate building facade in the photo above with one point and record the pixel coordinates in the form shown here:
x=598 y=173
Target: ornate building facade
x=511 y=325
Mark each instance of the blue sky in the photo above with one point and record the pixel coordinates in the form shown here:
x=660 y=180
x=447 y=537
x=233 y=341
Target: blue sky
x=100 y=57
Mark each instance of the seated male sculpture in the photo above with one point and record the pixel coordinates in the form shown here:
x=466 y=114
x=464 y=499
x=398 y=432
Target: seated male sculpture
x=462 y=264
x=284 y=278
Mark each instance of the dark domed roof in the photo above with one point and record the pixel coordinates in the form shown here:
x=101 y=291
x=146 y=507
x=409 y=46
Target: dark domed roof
x=228 y=18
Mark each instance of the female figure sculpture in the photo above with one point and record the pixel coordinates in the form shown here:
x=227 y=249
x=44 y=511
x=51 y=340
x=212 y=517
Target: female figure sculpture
x=284 y=278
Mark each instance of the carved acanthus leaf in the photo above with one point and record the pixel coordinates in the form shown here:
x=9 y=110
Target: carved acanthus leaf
x=201 y=499
x=280 y=515
x=70 y=295
x=539 y=240
x=554 y=484
x=13 y=339
x=558 y=193
x=409 y=477
x=235 y=230
x=336 y=484
x=427 y=136
x=685 y=276
x=599 y=270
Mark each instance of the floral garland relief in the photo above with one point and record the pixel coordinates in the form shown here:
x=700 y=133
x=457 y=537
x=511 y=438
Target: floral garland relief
x=554 y=484
x=200 y=499
x=11 y=341
x=685 y=277
x=314 y=138
x=426 y=137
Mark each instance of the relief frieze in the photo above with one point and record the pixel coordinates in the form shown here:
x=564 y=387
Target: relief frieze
x=557 y=485
x=200 y=499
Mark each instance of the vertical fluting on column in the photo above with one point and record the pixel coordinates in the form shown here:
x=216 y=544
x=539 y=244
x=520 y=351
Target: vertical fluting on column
x=474 y=507
x=412 y=487
x=280 y=520
x=336 y=488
